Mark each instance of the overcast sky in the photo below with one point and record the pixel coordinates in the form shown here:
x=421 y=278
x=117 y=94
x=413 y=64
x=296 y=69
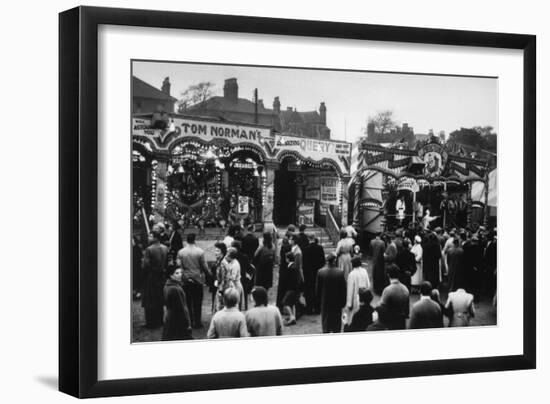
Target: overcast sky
x=423 y=101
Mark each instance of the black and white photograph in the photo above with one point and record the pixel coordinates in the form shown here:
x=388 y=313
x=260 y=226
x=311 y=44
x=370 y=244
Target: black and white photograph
x=276 y=201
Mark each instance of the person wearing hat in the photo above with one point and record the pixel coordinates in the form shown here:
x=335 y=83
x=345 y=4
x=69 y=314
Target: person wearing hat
x=331 y=292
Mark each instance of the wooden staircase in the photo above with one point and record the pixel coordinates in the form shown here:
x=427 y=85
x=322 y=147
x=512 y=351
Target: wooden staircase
x=320 y=233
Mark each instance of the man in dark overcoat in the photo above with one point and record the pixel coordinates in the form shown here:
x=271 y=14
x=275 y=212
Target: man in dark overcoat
x=331 y=289
x=313 y=261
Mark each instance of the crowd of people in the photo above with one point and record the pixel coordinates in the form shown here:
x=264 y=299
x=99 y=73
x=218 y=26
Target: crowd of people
x=336 y=286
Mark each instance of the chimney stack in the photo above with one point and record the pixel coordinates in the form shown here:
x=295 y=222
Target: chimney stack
x=231 y=90
x=277 y=105
x=323 y=113
x=166 y=86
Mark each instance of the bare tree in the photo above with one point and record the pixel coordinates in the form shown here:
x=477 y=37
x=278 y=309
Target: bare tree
x=195 y=94
x=383 y=122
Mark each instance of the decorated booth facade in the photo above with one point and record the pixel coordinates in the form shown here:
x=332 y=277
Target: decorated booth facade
x=434 y=185
x=206 y=172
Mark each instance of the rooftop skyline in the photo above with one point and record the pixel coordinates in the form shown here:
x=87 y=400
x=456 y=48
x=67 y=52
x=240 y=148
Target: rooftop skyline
x=423 y=101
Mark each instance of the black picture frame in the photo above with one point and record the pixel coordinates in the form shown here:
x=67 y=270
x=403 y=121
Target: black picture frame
x=78 y=196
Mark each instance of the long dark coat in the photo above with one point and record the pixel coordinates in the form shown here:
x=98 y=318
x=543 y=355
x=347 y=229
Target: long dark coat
x=379 y=278
x=473 y=266
x=431 y=253
x=313 y=256
x=263 y=261
x=331 y=290
x=250 y=244
x=155 y=260
x=177 y=324
x=455 y=264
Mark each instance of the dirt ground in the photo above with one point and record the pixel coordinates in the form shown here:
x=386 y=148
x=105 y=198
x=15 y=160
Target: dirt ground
x=486 y=314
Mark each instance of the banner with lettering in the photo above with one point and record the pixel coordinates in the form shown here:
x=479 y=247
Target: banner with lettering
x=316 y=149
x=202 y=129
x=329 y=190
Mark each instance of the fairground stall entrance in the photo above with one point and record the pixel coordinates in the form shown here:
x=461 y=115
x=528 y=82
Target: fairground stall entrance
x=431 y=186
x=203 y=172
x=310 y=180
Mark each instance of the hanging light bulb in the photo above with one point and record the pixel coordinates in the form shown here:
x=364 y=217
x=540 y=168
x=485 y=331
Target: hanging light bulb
x=210 y=154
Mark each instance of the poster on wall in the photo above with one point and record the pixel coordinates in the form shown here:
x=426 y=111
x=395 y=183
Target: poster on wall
x=313 y=190
x=306 y=212
x=329 y=191
x=243 y=204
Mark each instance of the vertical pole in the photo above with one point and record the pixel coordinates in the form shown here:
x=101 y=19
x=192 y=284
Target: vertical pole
x=486 y=208
x=267 y=210
x=414 y=208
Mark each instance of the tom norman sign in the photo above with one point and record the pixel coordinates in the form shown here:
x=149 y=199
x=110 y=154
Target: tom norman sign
x=205 y=130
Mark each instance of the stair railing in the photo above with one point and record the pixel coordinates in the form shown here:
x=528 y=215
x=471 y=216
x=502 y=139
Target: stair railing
x=332 y=228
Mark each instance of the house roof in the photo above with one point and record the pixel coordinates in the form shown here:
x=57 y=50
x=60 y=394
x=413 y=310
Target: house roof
x=141 y=89
x=223 y=104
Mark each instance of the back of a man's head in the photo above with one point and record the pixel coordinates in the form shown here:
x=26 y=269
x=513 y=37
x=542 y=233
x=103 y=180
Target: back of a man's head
x=302 y=228
x=356 y=262
x=393 y=271
x=331 y=259
x=231 y=297
x=426 y=288
x=191 y=238
x=259 y=294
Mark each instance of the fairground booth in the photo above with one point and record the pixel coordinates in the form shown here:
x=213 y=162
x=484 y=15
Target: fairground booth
x=206 y=172
x=436 y=183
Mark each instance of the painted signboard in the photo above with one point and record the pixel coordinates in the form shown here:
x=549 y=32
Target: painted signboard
x=329 y=190
x=306 y=212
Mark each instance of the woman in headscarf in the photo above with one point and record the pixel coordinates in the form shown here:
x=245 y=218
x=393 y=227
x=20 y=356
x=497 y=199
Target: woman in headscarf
x=177 y=324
